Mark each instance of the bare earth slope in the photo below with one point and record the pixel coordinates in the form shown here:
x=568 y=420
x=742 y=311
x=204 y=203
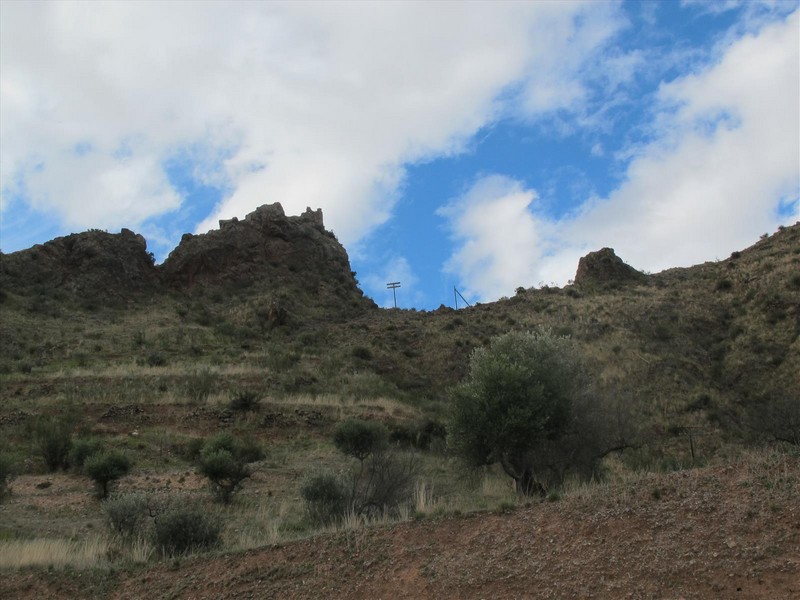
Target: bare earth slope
x=717 y=532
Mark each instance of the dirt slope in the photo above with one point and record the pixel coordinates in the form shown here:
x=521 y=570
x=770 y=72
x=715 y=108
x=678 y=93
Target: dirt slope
x=718 y=532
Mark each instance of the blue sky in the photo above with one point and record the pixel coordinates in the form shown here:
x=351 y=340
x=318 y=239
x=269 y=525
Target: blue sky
x=485 y=146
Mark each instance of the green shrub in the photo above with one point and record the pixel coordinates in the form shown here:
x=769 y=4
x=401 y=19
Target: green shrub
x=723 y=285
x=199 y=385
x=186 y=529
x=156 y=360
x=190 y=449
x=417 y=435
x=384 y=481
x=359 y=439
x=223 y=461
x=225 y=472
x=53 y=440
x=6 y=475
x=82 y=449
x=326 y=498
x=245 y=401
x=106 y=467
x=127 y=514
x=248 y=450
x=362 y=353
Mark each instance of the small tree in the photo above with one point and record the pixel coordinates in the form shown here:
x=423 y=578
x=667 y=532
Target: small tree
x=223 y=461
x=518 y=395
x=359 y=439
x=106 y=467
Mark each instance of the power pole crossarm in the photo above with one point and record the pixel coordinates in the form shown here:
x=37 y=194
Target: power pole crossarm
x=393 y=286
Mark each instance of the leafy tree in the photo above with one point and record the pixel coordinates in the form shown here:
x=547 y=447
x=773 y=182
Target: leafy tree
x=105 y=467
x=518 y=397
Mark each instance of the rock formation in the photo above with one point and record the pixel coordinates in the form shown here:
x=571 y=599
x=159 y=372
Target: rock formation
x=93 y=265
x=605 y=268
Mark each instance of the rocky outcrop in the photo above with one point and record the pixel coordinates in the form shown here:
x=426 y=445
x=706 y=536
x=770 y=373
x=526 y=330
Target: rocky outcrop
x=604 y=268
x=263 y=248
x=293 y=261
x=94 y=266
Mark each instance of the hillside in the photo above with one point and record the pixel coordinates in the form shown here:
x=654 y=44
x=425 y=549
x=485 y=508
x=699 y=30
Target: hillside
x=259 y=330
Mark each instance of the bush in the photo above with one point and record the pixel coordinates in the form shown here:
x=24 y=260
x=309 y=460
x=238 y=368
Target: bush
x=127 y=514
x=53 y=439
x=245 y=401
x=81 y=450
x=199 y=385
x=326 y=498
x=106 y=467
x=362 y=353
x=418 y=435
x=359 y=439
x=156 y=360
x=383 y=482
x=775 y=418
x=6 y=475
x=724 y=285
x=184 y=530
x=191 y=449
x=223 y=461
x=225 y=472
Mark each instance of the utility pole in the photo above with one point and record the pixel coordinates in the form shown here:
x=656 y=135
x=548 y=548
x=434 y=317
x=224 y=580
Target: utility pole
x=393 y=286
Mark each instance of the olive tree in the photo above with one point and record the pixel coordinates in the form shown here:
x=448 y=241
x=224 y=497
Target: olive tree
x=516 y=401
x=106 y=467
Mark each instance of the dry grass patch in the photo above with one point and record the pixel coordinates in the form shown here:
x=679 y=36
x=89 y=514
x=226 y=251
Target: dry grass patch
x=44 y=552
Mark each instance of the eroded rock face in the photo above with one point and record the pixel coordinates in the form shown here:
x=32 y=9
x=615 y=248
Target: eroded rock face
x=95 y=265
x=262 y=247
x=605 y=268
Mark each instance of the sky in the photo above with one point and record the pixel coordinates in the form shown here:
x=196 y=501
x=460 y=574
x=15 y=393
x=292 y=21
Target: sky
x=469 y=145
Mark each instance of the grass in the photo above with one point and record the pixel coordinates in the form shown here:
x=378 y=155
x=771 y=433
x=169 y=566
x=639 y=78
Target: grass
x=58 y=553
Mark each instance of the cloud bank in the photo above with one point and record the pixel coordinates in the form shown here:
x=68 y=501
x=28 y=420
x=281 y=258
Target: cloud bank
x=724 y=163
x=318 y=104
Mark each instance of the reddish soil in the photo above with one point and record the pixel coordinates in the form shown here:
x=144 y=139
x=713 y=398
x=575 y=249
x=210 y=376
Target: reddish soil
x=719 y=532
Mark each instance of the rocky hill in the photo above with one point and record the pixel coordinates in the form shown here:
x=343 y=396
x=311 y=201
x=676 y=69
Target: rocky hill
x=94 y=265
x=293 y=259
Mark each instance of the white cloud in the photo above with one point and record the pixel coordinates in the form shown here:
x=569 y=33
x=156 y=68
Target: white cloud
x=498 y=235
x=318 y=104
x=725 y=160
